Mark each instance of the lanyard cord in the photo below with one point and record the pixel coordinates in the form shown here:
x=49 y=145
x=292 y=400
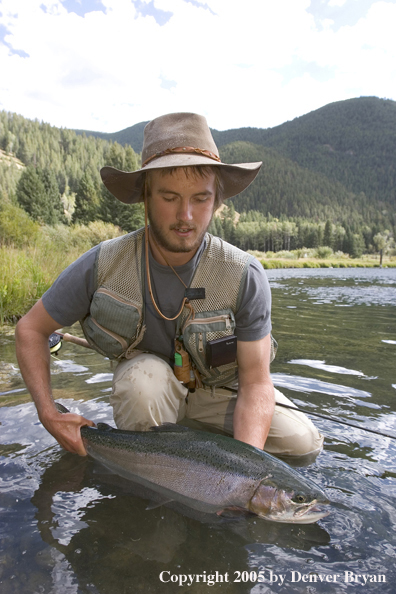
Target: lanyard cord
x=167 y=263
x=185 y=303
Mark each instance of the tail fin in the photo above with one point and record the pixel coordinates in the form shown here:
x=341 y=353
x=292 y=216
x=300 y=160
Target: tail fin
x=60 y=408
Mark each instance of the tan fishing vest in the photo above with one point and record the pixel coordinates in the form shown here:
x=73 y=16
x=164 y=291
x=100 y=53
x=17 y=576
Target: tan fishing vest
x=115 y=324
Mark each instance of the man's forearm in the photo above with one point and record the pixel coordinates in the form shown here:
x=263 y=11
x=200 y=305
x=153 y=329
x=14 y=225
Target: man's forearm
x=34 y=363
x=253 y=413
x=31 y=338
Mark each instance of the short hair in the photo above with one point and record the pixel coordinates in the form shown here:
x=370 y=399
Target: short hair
x=194 y=171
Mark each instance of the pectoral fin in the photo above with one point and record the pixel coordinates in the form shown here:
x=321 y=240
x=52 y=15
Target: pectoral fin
x=233 y=512
x=155 y=504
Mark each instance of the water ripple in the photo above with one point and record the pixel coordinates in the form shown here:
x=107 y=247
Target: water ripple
x=322 y=365
x=308 y=385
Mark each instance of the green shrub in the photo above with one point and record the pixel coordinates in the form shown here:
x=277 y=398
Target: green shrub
x=16 y=227
x=82 y=237
x=324 y=252
x=287 y=255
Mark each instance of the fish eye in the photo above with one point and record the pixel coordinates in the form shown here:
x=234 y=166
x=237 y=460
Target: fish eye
x=300 y=498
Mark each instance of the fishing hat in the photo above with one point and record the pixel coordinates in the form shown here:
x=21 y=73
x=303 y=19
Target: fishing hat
x=177 y=140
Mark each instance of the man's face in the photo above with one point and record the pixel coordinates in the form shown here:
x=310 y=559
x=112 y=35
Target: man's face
x=180 y=209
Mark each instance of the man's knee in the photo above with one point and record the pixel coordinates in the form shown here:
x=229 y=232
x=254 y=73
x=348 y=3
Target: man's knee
x=141 y=376
x=292 y=434
x=145 y=393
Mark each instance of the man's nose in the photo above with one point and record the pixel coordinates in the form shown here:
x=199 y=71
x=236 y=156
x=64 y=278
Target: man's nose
x=184 y=212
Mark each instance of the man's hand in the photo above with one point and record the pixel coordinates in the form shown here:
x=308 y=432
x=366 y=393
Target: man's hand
x=65 y=427
x=31 y=339
x=256 y=401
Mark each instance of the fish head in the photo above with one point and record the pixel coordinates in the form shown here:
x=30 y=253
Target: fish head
x=288 y=505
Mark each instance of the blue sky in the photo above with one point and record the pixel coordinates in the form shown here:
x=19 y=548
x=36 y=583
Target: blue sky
x=108 y=64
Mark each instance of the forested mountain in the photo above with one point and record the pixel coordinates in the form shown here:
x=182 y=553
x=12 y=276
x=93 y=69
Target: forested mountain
x=132 y=136
x=283 y=189
x=333 y=168
x=352 y=142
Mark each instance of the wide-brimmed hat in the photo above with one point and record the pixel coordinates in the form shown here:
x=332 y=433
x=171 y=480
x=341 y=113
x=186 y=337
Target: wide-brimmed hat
x=177 y=140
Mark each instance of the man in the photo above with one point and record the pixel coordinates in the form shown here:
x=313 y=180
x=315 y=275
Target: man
x=186 y=315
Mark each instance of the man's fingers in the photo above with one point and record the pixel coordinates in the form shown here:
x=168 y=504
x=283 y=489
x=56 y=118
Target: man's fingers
x=65 y=427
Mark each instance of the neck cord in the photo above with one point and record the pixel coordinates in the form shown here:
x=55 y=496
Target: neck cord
x=185 y=303
x=166 y=261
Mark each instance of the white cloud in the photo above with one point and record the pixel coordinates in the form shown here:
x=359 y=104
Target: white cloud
x=337 y=2
x=239 y=64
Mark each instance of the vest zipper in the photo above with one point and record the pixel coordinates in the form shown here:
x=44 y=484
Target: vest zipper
x=222 y=318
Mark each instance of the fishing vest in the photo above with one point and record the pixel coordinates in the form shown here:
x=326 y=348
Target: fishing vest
x=115 y=324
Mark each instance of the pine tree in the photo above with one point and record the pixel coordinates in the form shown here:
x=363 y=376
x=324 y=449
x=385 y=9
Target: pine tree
x=328 y=234
x=55 y=207
x=87 y=200
x=37 y=192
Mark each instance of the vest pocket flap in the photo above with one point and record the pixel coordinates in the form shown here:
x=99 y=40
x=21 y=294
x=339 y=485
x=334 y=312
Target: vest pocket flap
x=106 y=342
x=221 y=321
x=115 y=314
x=113 y=323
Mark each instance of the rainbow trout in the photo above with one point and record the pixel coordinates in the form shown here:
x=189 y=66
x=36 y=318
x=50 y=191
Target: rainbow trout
x=208 y=472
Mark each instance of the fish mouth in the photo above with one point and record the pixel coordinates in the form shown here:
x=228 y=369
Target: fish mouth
x=298 y=514
x=310 y=516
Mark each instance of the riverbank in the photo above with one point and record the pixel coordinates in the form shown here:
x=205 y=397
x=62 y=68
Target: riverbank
x=311 y=258
x=311 y=263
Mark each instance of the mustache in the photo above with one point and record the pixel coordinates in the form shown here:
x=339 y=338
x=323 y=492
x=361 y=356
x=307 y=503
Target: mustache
x=182 y=226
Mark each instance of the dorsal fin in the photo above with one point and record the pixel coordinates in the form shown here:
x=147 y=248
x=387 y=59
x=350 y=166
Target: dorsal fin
x=104 y=427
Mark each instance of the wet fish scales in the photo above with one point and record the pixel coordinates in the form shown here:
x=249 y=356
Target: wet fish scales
x=193 y=479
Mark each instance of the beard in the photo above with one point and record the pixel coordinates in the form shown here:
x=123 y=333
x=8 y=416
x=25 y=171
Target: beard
x=164 y=237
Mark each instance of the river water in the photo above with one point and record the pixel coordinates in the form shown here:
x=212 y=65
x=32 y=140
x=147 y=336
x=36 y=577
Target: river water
x=68 y=528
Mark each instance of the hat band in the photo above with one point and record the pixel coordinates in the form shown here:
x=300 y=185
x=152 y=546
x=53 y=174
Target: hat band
x=182 y=149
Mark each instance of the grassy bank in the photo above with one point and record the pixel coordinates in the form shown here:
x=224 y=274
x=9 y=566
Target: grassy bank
x=333 y=263
x=312 y=258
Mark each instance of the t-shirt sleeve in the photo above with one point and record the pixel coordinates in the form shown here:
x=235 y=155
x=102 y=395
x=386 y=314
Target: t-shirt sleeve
x=68 y=299
x=253 y=318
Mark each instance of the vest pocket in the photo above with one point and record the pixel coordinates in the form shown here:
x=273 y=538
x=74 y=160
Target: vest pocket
x=113 y=323
x=205 y=327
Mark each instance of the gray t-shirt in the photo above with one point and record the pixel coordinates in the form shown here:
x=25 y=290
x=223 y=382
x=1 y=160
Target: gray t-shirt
x=69 y=299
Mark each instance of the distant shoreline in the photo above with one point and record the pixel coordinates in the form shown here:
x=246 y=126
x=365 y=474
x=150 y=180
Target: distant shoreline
x=274 y=263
